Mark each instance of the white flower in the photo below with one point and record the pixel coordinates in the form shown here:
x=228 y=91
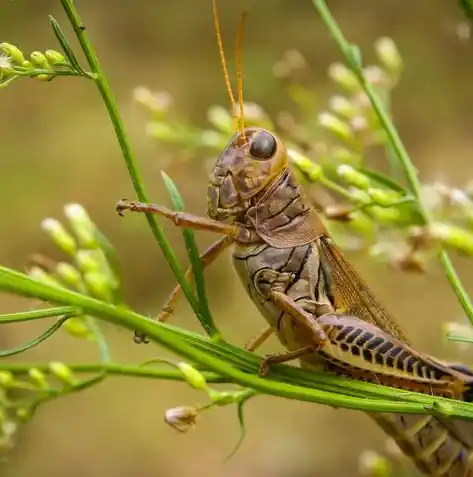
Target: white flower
x=181 y=418
x=5 y=62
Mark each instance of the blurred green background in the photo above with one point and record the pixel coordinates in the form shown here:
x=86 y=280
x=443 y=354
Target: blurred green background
x=58 y=147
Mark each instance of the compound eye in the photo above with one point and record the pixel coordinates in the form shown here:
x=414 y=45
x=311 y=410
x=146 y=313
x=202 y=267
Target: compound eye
x=263 y=146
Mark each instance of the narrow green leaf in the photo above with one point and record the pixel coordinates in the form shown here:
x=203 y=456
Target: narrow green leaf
x=65 y=45
x=36 y=341
x=101 y=341
x=383 y=180
x=241 y=421
x=354 y=54
x=193 y=253
x=460 y=339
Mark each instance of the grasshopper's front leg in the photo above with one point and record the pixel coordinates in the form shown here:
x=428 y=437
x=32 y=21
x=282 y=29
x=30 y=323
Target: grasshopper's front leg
x=234 y=232
x=237 y=232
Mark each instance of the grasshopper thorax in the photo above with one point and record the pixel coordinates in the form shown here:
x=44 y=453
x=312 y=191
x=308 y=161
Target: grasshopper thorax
x=249 y=164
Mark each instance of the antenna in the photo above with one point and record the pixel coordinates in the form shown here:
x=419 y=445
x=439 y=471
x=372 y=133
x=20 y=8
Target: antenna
x=239 y=61
x=236 y=120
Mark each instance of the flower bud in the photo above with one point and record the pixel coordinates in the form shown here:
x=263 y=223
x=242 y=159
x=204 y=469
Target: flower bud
x=181 y=418
x=372 y=464
x=27 y=65
x=344 y=77
x=339 y=212
x=69 y=275
x=8 y=429
x=23 y=414
x=6 y=379
x=387 y=215
x=388 y=54
x=39 y=59
x=13 y=52
x=384 y=197
x=62 y=372
x=6 y=66
x=39 y=378
x=358 y=196
x=39 y=274
x=99 y=286
x=87 y=261
x=410 y=262
x=452 y=236
x=192 y=376
x=335 y=125
x=311 y=169
x=281 y=69
x=44 y=77
x=362 y=224
x=55 y=58
x=419 y=237
x=82 y=225
x=359 y=124
x=342 y=106
x=77 y=328
x=375 y=75
x=158 y=103
x=60 y=236
x=295 y=59
x=343 y=155
x=353 y=177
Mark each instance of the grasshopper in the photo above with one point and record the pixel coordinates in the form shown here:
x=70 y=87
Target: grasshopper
x=312 y=298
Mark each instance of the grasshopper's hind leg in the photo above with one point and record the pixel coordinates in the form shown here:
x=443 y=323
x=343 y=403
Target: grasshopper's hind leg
x=301 y=319
x=207 y=257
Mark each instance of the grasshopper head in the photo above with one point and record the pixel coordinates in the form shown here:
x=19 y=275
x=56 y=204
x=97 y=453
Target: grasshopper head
x=249 y=164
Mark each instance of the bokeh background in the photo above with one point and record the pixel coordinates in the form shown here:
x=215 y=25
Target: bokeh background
x=57 y=147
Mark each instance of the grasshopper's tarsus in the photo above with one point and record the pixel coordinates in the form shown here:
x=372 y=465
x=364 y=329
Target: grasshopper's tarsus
x=140 y=338
x=279 y=358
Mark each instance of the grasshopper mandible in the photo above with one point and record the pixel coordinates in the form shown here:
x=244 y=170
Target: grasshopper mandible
x=311 y=296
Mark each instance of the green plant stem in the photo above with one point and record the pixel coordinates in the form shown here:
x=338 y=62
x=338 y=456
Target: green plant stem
x=397 y=146
x=111 y=105
x=112 y=369
x=178 y=342
x=52 y=73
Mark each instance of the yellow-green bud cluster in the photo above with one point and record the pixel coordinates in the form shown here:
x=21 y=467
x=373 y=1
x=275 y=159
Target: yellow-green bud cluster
x=90 y=271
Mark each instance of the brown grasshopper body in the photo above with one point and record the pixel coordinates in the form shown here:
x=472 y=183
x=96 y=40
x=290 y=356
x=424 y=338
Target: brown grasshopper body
x=311 y=296
x=314 y=300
